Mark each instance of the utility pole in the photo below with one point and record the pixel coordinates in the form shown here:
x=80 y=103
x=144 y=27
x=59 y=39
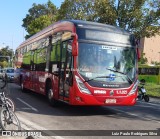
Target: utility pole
x=12 y=51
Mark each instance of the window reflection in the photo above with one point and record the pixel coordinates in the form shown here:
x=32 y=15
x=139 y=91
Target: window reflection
x=94 y=60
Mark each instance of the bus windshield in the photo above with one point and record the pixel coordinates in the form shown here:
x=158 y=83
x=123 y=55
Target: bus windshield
x=114 y=64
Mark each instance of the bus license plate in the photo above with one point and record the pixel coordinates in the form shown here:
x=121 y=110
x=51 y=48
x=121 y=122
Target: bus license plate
x=110 y=101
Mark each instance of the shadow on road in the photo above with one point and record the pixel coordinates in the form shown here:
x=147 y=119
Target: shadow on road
x=41 y=104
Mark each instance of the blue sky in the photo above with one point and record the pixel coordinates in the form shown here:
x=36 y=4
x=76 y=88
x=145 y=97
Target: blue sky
x=12 y=13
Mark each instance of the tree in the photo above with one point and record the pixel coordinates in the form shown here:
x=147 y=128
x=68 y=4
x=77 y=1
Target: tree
x=39 y=17
x=38 y=24
x=7 y=54
x=76 y=9
x=140 y=17
x=105 y=12
x=143 y=59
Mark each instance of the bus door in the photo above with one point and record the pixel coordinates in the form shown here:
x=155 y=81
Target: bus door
x=65 y=70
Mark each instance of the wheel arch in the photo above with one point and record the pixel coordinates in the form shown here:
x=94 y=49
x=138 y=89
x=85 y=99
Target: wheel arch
x=48 y=84
x=49 y=92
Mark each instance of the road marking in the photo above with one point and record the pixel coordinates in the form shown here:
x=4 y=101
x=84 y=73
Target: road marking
x=147 y=105
x=27 y=104
x=28 y=125
x=158 y=104
x=132 y=114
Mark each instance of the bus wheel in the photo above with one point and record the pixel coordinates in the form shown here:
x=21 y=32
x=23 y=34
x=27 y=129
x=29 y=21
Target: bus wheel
x=51 y=100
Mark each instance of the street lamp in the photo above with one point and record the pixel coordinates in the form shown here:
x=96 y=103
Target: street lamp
x=12 y=57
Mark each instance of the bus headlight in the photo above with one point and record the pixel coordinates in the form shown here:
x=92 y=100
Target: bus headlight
x=81 y=86
x=133 y=90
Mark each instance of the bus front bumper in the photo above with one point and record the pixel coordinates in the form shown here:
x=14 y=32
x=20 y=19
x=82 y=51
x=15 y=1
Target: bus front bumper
x=104 y=100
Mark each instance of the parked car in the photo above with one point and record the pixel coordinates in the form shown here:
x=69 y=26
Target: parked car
x=10 y=74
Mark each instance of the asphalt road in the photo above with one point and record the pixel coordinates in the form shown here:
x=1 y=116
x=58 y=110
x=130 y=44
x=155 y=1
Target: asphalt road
x=35 y=113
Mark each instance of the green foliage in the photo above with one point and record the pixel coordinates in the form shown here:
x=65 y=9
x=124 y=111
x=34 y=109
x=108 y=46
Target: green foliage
x=27 y=58
x=39 y=17
x=55 y=53
x=41 y=56
x=76 y=9
x=140 y=17
x=143 y=59
x=150 y=78
x=147 y=66
x=38 y=24
x=7 y=54
x=153 y=89
x=4 y=64
x=155 y=63
x=105 y=12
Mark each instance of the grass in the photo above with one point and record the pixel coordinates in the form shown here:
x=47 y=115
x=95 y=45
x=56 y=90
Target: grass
x=150 y=78
x=152 y=89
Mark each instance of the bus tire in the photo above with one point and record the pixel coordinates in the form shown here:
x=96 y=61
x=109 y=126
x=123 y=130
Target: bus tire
x=146 y=98
x=50 y=95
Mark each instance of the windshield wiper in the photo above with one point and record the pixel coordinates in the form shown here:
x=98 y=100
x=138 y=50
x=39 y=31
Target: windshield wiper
x=98 y=77
x=121 y=73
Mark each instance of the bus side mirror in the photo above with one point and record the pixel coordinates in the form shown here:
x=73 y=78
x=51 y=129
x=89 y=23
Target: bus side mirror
x=75 y=46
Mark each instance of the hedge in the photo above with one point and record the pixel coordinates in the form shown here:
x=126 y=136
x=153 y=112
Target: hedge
x=150 y=74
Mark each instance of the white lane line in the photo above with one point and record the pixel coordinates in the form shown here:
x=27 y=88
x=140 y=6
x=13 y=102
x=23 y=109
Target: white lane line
x=132 y=114
x=27 y=104
x=28 y=125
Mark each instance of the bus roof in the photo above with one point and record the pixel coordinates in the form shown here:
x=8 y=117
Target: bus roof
x=78 y=23
x=100 y=26
x=45 y=32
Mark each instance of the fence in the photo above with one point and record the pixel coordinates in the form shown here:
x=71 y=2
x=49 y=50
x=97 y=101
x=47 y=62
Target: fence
x=150 y=74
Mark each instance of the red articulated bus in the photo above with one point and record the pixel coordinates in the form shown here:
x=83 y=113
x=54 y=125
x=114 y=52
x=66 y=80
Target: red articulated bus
x=80 y=63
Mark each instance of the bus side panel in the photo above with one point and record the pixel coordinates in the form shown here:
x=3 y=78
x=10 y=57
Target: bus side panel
x=33 y=84
x=55 y=87
x=27 y=79
x=41 y=78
